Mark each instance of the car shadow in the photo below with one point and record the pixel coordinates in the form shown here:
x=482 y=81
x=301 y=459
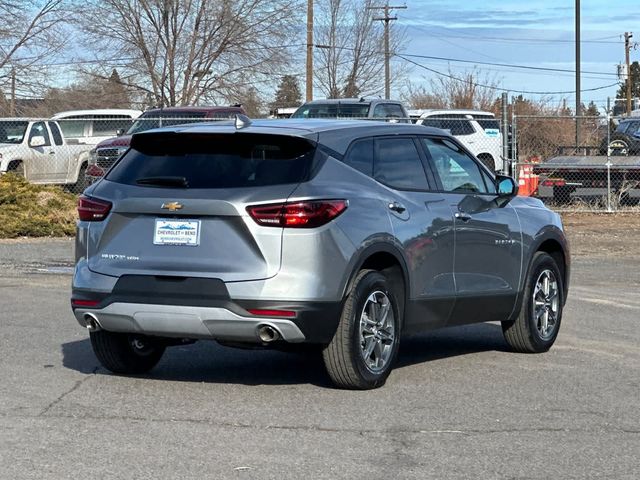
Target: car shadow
x=212 y=363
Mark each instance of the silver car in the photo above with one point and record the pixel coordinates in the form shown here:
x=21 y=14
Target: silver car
x=343 y=235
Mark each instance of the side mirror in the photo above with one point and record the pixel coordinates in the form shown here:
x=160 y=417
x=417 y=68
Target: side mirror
x=119 y=132
x=506 y=186
x=37 y=141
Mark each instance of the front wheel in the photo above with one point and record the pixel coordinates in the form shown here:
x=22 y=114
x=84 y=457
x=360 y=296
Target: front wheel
x=536 y=328
x=364 y=347
x=126 y=353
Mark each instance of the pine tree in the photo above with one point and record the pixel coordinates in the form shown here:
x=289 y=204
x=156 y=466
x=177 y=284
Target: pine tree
x=114 y=92
x=288 y=93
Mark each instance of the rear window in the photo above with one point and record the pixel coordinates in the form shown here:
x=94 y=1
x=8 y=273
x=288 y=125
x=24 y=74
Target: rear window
x=156 y=119
x=215 y=160
x=332 y=110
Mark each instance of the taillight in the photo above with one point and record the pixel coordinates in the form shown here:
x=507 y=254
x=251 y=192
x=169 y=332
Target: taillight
x=94 y=171
x=307 y=214
x=75 y=302
x=92 y=209
x=271 y=313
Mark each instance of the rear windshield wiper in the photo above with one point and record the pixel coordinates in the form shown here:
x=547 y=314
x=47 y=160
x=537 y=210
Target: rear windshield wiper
x=164 y=181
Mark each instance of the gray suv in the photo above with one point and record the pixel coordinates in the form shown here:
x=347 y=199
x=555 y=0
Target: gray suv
x=344 y=236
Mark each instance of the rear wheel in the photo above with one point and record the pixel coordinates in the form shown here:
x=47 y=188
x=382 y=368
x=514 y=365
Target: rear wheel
x=17 y=168
x=364 y=347
x=126 y=353
x=488 y=161
x=536 y=328
x=82 y=182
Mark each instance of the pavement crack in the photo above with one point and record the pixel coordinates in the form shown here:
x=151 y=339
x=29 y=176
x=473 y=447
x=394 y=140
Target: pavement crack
x=67 y=393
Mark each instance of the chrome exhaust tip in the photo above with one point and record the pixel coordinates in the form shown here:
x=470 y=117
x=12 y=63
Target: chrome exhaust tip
x=91 y=322
x=267 y=334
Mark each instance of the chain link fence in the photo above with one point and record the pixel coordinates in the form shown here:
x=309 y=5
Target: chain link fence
x=579 y=163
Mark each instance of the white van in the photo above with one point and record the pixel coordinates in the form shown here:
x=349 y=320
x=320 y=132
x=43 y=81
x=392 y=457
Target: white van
x=477 y=130
x=90 y=127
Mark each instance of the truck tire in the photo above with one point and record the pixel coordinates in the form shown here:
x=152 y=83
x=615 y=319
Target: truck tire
x=17 y=168
x=365 y=345
x=124 y=353
x=536 y=327
x=82 y=182
x=488 y=161
x=619 y=148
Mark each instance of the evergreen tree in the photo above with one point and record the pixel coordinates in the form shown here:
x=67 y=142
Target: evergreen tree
x=288 y=93
x=114 y=93
x=635 y=83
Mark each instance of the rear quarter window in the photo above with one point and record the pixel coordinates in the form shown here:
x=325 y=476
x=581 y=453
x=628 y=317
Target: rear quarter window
x=216 y=160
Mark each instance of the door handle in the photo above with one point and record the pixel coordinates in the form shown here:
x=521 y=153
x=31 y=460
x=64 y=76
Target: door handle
x=464 y=216
x=397 y=207
x=52 y=153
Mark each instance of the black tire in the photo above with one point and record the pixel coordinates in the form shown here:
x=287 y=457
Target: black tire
x=488 y=161
x=124 y=353
x=82 y=182
x=17 y=169
x=523 y=334
x=619 y=146
x=344 y=358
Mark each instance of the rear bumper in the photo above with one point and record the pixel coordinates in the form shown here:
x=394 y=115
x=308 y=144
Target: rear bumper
x=184 y=322
x=186 y=307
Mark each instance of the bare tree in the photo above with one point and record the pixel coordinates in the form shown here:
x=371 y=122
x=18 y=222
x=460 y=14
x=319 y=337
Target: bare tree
x=471 y=89
x=183 y=51
x=30 y=32
x=350 y=57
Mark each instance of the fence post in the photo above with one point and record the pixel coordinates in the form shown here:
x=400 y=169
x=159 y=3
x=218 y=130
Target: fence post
x=514 y=147
x=608 y=155
x=505 y=133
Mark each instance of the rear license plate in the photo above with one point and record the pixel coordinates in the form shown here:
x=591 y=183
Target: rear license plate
x=177 y=232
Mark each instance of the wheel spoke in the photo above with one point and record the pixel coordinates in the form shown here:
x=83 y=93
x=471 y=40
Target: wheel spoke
x=369 y=345
x=377 y=354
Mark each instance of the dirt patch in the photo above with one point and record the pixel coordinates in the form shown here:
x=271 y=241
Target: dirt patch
x=601 y=234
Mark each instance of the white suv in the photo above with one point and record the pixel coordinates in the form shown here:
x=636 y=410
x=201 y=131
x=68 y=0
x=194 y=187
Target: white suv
x=477 y=130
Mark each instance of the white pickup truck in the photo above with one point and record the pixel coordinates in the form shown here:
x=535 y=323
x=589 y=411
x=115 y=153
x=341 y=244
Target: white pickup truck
x=37 y=150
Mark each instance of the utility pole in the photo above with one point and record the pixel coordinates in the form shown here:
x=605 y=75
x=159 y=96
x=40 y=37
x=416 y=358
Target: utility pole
x=309 y=50
x=578 y=99
x=627 y=49
x=387 y=54
x=13 y=92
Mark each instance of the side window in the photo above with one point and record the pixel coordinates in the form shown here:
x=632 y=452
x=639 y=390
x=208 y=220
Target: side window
x=633 y=128
x=40 y=130
x=73 y=127
x=360 y=156
x=398 y=165
x=622 y=127
x=108 y=126
x=55 y=133
x=224 y=115
x=458 y=126
x=458 y=172
x=388 y=110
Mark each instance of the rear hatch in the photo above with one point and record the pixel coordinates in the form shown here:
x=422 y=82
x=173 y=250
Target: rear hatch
x=179 y=205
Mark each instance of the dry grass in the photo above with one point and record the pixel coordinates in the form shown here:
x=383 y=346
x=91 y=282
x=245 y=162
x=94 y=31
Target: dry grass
x=28 y=210
x=602 y=234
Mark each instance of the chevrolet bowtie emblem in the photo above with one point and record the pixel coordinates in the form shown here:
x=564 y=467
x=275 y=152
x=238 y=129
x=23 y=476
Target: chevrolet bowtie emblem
x=172 y=206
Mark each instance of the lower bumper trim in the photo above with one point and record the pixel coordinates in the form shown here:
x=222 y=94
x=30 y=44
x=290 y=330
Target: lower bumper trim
x=185 y=322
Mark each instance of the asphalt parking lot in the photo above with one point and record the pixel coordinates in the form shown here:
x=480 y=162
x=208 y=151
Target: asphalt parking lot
x=458 y=404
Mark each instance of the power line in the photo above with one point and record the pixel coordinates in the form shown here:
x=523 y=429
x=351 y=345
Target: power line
x=508 y=65
x=520 y=39
x=493 y=87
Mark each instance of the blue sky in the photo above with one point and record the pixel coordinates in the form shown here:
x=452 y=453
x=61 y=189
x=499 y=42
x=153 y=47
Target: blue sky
x=537 y=33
